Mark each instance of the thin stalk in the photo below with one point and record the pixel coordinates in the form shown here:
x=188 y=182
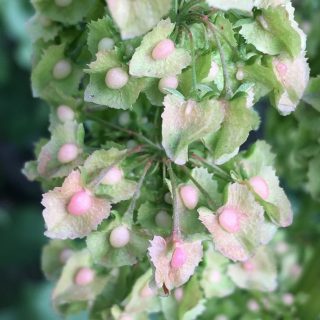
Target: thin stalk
x=129 y=132
x=210 y=201
x=129 y=213
x=220 y=172
x=100 y=177
x=194 y=71
x=227 y=82
x=176 y=233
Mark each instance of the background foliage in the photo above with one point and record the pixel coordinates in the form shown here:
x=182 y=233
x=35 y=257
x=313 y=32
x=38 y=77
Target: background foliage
x=23 y=292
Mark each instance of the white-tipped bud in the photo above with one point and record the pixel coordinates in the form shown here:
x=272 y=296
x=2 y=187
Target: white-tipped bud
x=62 y=69
x=65 y=113
x=68 y=153
x=116 y=78
x=113 y=176
x=119 y=237
x=105 y=44
x=170 y=82
x=190 y=196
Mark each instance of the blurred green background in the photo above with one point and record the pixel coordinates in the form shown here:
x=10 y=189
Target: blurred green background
x=24 y=294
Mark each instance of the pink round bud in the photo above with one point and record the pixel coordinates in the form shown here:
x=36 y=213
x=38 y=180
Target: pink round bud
x=65 y=113
x=163 y=49
x=62 y=69
x=170 y=82
x=282 y=69
x=113 y=176
x=147 y=292
x=163 y=219
x=240 y=75
x=190 y=196
x=105 y=44
x=215 y=276
x=84 y=277
x=260 y=187
x=62 y=3
x=119 y=237
x=65 y=255
x=80 y=203
x=229 y=219
x=116 y=78
x=248 y=265
x=253 y=305
x=178 y=294
x=288 y=299
x=67 y=153
x=179 y=258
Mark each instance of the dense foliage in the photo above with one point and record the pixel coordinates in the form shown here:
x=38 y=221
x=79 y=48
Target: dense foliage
x=151 y=208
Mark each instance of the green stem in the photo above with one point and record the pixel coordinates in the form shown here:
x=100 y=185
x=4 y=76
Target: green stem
x=129 y=132
x=227 y=83
x=129 y=213
x=210 y=201
x=176 y=233
x=220 y=172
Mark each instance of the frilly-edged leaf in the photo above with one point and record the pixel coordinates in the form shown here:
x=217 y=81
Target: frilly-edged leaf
x=97 y=90
x=154 y=95
x=67 y=292
x=272 y=33
x=312 y=94
x=294 y=77
x=54 y=256
x=60 y=223
x=185 y=122
x=71 y=14
x=189 y=307
x=104 y=254
x=143 y=65
x=41 y=27
x=147 y=218
x=102 y=28
x=143 y=298
x=238 y=122
x=98 y=163
x=48 y=164
x=42 y=75
x=160 y=253
x=135 y=18
x=241 y=245
x=214 y=280
x=246 y=5
x=257 y=273
x=257 y=162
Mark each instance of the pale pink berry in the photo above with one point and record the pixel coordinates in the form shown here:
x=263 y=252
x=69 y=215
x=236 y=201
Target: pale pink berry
x=248 y=265
x=62 y=69
x=260 y=187
x=163 y=49
x=65 y=255
x=65 y=113
x=282 y=247
x=296 y=270
x=147 y=292
x=80 y=203
x=170 y=82
x=116 y=78
x=67 y=153
x=240 y=75
x=189 y=196
x=105 y=44
x=215 y=276
x=163 y=219
x=84 y=276
x=119 y=237
x=178 y=294
x=179 y=258
x=63 y=3
x=229 y=220
x=282 y=69
x=113 y=176
x=253 y=305
x=288 y=299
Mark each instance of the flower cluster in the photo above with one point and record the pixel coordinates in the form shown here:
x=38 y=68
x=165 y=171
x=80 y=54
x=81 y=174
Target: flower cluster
x=146 y=192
